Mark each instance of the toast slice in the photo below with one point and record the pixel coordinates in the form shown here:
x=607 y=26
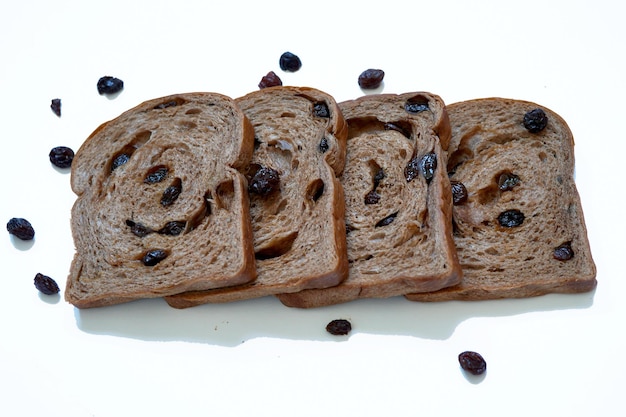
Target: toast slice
x=398 y=201
x=296 y=200
x=161 y=205
x=519 y=230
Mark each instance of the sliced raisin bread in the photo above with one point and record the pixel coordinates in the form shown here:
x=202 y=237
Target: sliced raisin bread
x=161 y=206
x=398 y=201
x=296 y=200
x=518 y=221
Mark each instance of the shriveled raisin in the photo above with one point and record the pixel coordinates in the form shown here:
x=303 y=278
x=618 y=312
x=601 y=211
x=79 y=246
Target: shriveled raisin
x=511 y=218
x=21 y=228
x=428 y=165
x=55 y=105
x=61 y=156
x=270 y=80
x=167 y=104
x=563 y=252
x=323 y=147
x=120 y=160
x=174 y=228
x=371 y=78
x=289 y=62
x=320 y=109
x=153 y=257
x=387 y=220
x=138 y=229
x=339 y=327
x=507 y=181
x=109 y=85
x=264 y=182
x=156 y=174
x=45 y=284
x=372 y=197
x=459 y=193
x=472 y=362
x=171 y=193
x=416 y=104
x=412 y=169
x=535 y=120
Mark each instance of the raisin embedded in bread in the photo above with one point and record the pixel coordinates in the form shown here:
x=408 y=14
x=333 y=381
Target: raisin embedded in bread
x=519 y=229
x=296 y=200
x=398 y=201
x=161 y=206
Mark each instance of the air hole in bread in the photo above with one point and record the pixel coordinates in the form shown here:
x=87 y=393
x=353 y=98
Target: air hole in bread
x=224 y=194
x=315 y=190
x=288 y=114
x=176 y=101
x=279 y=246
x=401 y=126
x=186 y=124
x=193 y=111
x=124 y=155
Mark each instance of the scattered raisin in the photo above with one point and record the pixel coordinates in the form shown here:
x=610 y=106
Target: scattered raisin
x=507 y=181
x=270 y=80
x=387 y=220
x=564 y=252
x=171 y=193
x=61 y=156
x=110 y=85
x=174 y=228
x=289 y=62
x=153 y=257
x=339 y=327
x=119 y=161
x=428 y=165
x=416 y=104
x=459 y=193
x=323 y=145
x=371 y=78
x=511 y=218
x=156 y=174
x=472 y=362
x=412 y=169
x=372 y=197
x=535 y=120
x=320 y=109
x=45 y=284
x=264 y=181
x=55 y=105
x=138 y=229
x=171 y=103
x=21 y=228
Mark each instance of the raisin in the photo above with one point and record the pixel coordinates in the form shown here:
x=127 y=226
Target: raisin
x=110 y=85
x=21 y=228
x=174 y=228
x=320 y=109
x=511 y=218
x=171 y=103
x=459 y=193
x=371 y=78
x=411 y=171
x=45 y=284
x=387 y=220
x=339 y=327
x=428 y=165
x=372 y=197
x=507 y=181
x=270 y=80
x=472 y=362
x=119 y=161
x=264 y=181
x=416 y=104
x=138 y=229
x=289 y=62
x=153 y=257
x=563 y=252
x=171 y=193
x=156 y=174
x=323 y=147
x=61 y=156
x=55 y=105
x=535 y=120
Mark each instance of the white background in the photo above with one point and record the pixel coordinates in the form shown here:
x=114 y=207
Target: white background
x=547 y=356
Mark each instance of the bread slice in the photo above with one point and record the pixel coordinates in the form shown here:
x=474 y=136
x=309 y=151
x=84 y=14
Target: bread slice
x=399 y=230
x=296 y=200
x=161 y=206
x=520 y=232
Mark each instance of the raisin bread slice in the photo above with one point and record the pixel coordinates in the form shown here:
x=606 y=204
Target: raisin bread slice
x=161 y=206
x=296 y=200
x=519 y=229
x=398 y=201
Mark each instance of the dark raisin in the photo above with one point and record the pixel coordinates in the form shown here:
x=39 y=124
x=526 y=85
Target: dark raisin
x=320 y=109
x=406 y=131
x=459 y=192
x=21 y=228
x=61 y=156
x=173 y=228
x=564 y=252
x=339 y=327
x=270 y=80
x=472 y=362
x=507 y=181
x=511 y=218
x=378 y=177
x=371 y=78
x=289 y=62
x=323 y=145
x=372 y=197
x=55 y=105
x=171 y=103
x=138 y=229
x=45 y=284
x=428 y=165
x=171 y=193
x=110 y=85
x=416 y=104
x=156 y=174
x=153 y=257
x=412 y=169
x=119 y=161
x=387 y=220
x=535 y=120
x=264 y=181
